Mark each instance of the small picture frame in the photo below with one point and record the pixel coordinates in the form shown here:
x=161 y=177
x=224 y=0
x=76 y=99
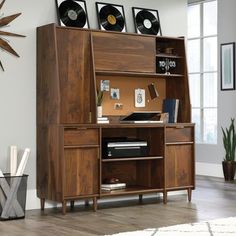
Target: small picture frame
x=227 y=64
x=111 y=17
x=146 y=21
x=72 y=13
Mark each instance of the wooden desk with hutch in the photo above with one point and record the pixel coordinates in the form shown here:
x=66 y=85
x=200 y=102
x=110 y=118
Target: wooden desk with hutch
x=70 y=64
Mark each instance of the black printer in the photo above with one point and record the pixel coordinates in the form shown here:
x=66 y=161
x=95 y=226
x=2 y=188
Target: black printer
x=124 y=147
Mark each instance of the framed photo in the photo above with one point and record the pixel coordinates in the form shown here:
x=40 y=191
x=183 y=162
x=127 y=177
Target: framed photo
x=227 y=63
x=146 y=21
x=111 y=17
x=72 y=13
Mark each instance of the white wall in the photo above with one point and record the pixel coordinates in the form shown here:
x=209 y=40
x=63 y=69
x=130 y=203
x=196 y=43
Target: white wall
x=226 y=99
x=18 y=82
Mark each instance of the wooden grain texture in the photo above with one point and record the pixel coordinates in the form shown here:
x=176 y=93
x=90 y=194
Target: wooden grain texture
x=123 y=52
x=49 y=182
x=80 y=136
x=179 y=166
x=81 y=172
x=6 y=20
x=180 y=133
x=48 y=93
x=75 y=75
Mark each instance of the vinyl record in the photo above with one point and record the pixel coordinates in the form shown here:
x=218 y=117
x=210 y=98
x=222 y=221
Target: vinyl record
x=72 y=14
x=147 y=23
x=111 y=18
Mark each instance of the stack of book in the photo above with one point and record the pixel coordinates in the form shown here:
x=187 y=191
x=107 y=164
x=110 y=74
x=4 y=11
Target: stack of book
x=115 y=186
x=102 y=120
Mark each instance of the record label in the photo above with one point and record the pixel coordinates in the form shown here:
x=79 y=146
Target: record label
x=147 y=23
x=111 y=19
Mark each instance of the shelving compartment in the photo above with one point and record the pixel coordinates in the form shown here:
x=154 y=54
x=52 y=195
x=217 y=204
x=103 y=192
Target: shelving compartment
x=170 y=56
x=141 y=174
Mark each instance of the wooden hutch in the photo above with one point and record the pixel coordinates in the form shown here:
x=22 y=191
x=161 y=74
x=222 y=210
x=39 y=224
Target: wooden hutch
x=70 y=64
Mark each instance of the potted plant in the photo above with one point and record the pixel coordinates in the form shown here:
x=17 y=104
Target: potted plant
x=229 y=141
x=99 y=103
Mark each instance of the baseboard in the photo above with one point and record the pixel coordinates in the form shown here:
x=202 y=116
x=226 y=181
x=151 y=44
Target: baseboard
x=207 y=169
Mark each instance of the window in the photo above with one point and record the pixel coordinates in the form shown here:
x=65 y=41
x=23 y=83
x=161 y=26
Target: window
x=202 y=67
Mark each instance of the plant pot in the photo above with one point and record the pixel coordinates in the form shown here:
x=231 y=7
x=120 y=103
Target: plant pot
x=99 y=111
x=229 y=168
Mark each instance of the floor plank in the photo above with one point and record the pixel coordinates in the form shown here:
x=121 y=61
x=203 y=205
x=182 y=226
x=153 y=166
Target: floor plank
x=213 y=198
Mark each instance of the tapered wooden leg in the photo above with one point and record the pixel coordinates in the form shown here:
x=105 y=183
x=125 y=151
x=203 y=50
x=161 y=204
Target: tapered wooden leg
x=189 y=194
x=165 y=197
x=64 y=207
x=72 y=204
x=140 y=198
x=95 y=203
x=86 y=202
x=42 y=202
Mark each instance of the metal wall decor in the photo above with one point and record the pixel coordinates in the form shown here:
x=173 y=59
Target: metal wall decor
x=4 y=45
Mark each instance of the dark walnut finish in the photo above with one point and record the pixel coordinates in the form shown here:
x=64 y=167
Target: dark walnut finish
x=120 y=52
x=70 y=65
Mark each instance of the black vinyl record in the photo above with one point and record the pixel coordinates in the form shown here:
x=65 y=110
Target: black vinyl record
x=72 y=14
x=111 y=18
x=147 y=23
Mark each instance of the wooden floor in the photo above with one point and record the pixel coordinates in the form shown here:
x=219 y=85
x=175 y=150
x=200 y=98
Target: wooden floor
x=213 y=198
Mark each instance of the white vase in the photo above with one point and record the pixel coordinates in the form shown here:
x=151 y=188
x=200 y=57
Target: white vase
x=99 y=111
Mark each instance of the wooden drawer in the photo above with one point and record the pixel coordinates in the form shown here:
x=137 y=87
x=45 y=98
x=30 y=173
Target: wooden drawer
x=81 y=136
x=179 y=134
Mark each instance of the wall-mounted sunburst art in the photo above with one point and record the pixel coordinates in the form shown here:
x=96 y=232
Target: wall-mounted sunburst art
x=4 y=21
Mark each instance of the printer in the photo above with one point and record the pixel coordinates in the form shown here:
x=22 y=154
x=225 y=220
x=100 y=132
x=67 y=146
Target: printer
x=124 y=147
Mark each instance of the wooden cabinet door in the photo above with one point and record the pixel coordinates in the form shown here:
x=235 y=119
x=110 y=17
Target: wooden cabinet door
x=81 y=171
x=119 y=52
x=77 y=93
x=179 y=163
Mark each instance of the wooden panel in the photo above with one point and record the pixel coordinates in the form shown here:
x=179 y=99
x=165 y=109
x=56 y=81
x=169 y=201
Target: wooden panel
x=127 y=86
x=81 y=171
x=120 y=52
x=179 y=134
x=124 y=171
x=81 y=136
x=48 y=100
x=76 y=76
x=179 y=166
x=49 y=180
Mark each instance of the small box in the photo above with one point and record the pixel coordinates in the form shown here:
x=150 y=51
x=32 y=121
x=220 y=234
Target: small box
x=13 y=197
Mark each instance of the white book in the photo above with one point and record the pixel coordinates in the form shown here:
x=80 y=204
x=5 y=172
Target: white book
x=103 y=121
x=102 y=118
x=117 y=185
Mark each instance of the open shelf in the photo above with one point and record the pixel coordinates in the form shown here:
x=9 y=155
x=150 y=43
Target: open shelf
x=136 y=74
x=179 y=143
x=131 y=159
x=131 y=190
x=168 y=55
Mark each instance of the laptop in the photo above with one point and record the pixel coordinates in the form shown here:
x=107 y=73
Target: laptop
x=142 y=117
